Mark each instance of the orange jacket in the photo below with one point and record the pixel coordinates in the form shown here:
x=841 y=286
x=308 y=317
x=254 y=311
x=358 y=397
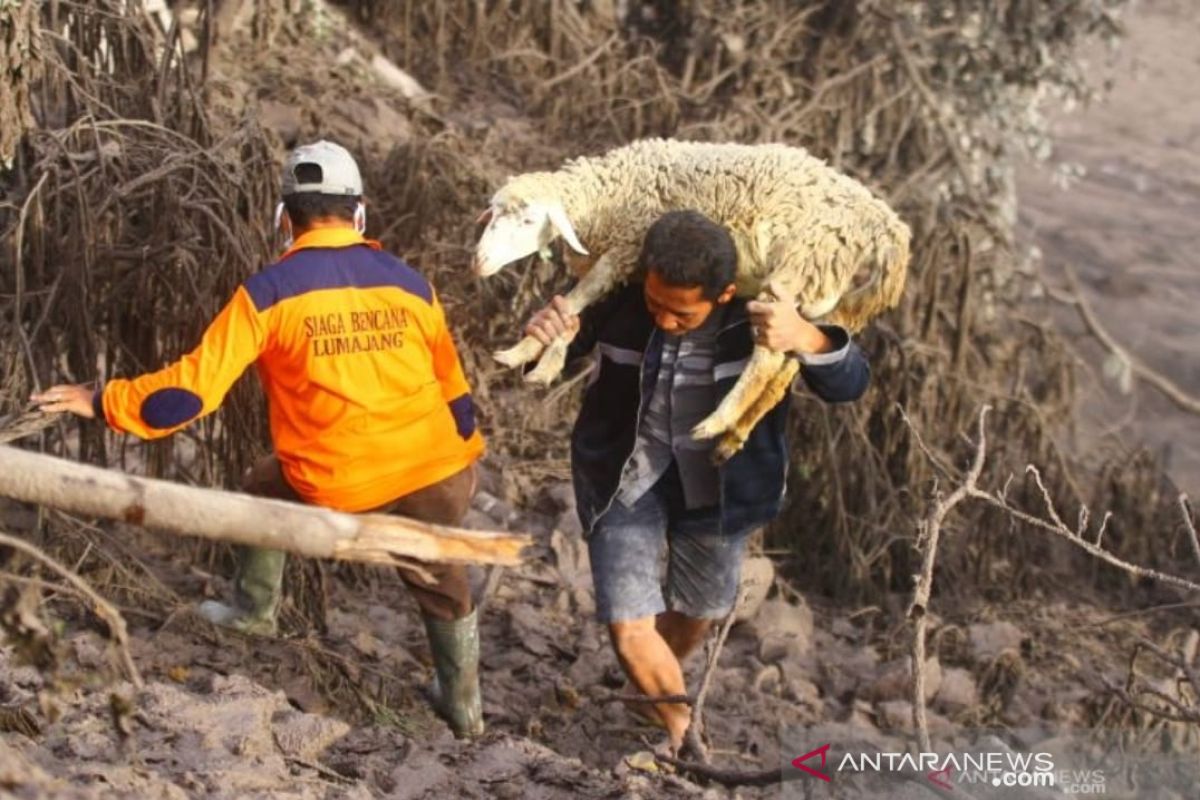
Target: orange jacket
x=368 y=400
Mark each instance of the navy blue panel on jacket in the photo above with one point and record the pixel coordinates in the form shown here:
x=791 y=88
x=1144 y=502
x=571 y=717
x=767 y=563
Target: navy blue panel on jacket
x=310 y=270
x=628 y=346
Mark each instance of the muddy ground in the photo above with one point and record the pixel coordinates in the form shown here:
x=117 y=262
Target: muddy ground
x=1125 y=220
x=223 y=715
x=341 y=714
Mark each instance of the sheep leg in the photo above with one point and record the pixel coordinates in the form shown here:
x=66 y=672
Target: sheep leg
x=764 y=365
x=591 y=287
x=523 y=352
x=550 y=365
x=775 y=390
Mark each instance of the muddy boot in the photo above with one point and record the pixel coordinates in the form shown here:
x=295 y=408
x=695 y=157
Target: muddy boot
x=455 y=649
x=257 y=589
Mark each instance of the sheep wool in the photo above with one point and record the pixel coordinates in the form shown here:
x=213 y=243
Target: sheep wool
x=799 y=224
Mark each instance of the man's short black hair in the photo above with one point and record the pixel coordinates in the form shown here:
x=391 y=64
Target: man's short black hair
x=304 y=207
x=687 y=248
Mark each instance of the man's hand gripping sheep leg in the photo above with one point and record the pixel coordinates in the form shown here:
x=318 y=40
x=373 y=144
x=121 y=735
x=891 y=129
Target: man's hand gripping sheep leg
x=549 y=342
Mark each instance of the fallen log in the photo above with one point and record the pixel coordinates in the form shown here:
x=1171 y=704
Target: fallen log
x=242 y=519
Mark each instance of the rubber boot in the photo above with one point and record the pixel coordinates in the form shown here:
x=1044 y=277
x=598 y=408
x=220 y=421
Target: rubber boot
x=455 y=649
x=258 y=587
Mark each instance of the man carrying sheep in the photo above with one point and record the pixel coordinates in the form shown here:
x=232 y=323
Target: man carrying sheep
x=369 y=406
x=668 y=350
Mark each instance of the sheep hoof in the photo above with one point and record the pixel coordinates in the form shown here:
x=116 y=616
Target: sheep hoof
x=519 y=354
x=508 y=358
x=543 y=374
x=550 y=365
x=709 y=428
x=729 y=445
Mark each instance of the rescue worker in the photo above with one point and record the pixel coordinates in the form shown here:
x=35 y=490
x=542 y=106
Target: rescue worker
x=668 y=350
x=369 y=407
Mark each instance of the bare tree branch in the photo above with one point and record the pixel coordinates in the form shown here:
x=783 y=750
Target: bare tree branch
x=927 y=543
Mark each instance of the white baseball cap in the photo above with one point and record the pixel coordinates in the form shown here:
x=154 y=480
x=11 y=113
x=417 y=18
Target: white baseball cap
x=339 y=171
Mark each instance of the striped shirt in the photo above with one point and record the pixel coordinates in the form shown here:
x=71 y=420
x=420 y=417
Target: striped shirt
x=684 y=394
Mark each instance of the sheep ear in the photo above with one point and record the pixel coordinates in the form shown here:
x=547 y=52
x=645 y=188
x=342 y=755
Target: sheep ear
x=558 y=218
x=485 y=217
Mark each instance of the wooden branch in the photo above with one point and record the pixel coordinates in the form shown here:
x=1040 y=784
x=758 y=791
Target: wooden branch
x=726 y=777
x=227 y=516
x=949 y=136
x=927 y=544
x=1123 y=695
x=1182 y=665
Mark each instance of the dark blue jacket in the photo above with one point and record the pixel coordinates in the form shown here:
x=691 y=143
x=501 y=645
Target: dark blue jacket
x=629 y=349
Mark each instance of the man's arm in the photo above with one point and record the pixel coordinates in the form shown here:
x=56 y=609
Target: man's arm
x=159 y=403
x=841 y=373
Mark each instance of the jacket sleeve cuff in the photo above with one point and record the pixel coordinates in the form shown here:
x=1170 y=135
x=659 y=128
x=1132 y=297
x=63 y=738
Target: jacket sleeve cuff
x=841 y=347
x=98 y=404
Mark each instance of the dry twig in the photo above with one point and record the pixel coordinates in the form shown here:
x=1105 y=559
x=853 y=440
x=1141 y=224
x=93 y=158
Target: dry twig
x=105 y=610
x=1171 y=390
x=927 y=543
x=692 y=738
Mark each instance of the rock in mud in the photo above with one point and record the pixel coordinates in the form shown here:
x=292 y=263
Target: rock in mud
x=783 y=630
x=989 y=639
x=305 y=736
x=957 y=691
x=758 y=574
x=895 y=680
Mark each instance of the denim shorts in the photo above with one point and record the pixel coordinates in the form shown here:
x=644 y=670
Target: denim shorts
x=626 y=546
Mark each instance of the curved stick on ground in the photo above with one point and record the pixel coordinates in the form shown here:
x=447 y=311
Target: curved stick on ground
x=1171 y=390
x=104 y=609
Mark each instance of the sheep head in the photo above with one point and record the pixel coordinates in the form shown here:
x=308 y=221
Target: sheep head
x=516 y=229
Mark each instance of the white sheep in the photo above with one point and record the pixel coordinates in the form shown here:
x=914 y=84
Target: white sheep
x=800 y=227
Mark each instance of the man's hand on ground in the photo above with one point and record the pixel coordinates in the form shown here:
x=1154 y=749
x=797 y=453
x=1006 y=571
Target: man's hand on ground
x=555 y=321
x=74 y=398
x=779 y=326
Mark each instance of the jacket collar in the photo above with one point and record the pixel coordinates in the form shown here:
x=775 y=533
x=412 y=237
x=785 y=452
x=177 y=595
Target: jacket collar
x=733 y=314
x=330 y=237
